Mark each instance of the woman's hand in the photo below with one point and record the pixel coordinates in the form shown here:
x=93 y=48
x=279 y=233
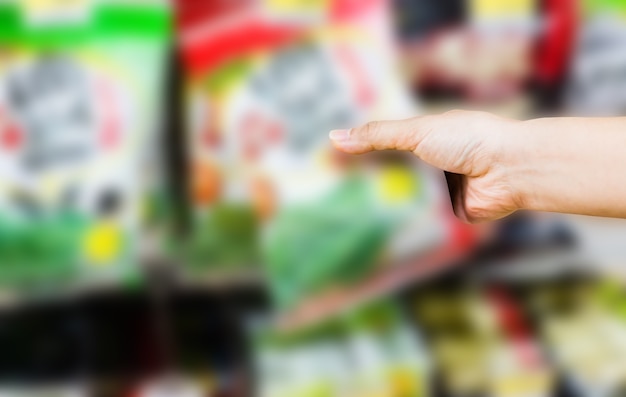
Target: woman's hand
x=467 y=145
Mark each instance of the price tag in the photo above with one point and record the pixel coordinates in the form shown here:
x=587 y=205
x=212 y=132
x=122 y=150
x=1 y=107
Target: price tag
x=56 y=12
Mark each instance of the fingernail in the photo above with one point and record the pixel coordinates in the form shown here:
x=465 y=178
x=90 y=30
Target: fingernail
x=339 y=135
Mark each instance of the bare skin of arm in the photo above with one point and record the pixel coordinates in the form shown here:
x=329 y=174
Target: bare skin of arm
x=498 y=165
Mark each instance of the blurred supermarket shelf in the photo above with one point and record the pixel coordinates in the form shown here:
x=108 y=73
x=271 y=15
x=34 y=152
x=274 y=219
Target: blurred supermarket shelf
x=602 y=239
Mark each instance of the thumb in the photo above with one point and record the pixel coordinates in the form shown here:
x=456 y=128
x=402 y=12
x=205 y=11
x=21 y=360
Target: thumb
x=379 y=135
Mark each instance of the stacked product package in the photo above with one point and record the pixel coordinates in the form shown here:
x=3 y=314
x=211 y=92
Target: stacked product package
x=265 y=81
x=78 y=109
x=369 y=351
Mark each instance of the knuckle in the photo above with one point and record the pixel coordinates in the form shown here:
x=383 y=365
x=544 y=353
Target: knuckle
x=475 y=210
x=371 y=129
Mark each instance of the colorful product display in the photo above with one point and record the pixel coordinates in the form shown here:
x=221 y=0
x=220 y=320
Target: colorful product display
x=341 y=264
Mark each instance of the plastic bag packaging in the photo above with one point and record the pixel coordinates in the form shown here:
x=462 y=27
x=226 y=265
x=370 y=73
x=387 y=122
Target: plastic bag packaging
x=79 y=84
x=265 y=82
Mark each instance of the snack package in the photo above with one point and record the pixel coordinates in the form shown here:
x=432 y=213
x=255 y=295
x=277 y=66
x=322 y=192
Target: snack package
x=594 y=84
x=307 y=363
x=265 y=83
x=481 y=343
x=519 y=366
x=389 y=358
x=79 y=89
x=371 y=351
x=581 y=324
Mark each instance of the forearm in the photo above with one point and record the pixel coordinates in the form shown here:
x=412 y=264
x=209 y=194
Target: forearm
x=574 y=165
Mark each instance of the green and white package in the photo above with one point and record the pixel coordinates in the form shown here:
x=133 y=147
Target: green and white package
x=389 y=360
x=79 y=83
x=370 y=351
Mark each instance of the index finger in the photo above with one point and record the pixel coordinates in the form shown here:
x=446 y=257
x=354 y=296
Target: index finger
x=380 y=135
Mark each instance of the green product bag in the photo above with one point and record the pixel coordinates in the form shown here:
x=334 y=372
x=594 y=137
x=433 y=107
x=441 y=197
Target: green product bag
x=79 y=89
x=313 y=248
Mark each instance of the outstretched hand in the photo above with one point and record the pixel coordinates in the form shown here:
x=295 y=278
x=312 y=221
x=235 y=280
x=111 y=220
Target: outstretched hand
x=496 y=166
x=467 y=145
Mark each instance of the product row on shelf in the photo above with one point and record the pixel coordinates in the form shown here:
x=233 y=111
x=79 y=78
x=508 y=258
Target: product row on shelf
x=561 y=336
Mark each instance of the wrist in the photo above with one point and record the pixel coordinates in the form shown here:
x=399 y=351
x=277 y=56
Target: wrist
x=534 y=158
x=517 y=163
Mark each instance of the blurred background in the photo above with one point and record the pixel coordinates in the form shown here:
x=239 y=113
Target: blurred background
x=174 y=221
